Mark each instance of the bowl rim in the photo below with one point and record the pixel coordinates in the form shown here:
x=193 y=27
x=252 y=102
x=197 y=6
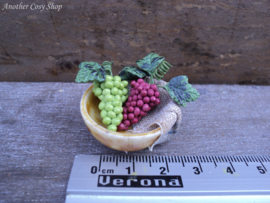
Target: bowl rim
x=87 y=117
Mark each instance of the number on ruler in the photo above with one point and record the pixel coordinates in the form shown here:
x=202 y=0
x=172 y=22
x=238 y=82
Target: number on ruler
x=128 y=168
x=162 y=170
x=229 y=170
x=262 y=171
x=93 y=169
x=197 y=171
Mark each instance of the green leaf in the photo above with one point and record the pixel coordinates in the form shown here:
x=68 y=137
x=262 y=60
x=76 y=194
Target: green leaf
x=90 y=71
x=132 y=73
x=108 y=67
x=181 y=91
x=150 y=62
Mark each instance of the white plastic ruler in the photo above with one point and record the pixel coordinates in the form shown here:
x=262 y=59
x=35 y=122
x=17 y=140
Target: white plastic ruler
x=102 y=179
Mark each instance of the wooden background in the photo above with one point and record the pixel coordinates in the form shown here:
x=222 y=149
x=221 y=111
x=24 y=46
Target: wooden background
x=210 y=41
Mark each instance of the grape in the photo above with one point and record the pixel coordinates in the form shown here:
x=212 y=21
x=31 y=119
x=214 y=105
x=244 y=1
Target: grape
x=130 y=116
x=108 y=98
x=111 y=114
x=98 y=91
x=140 y=103
x=116 y=121
x=108 y=107
x=142 y=98
x=106 y=91
x=125 y=83
x=103 y=114
x=109 y=84
x=150 y=92
x=102 y=105
x=117 y=110
x=114 y=91
x=117 y=78
x=109 y=78
x=112 y=127
x=107 y=120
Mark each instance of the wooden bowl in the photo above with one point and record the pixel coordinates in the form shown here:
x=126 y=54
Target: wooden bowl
x=124 y=140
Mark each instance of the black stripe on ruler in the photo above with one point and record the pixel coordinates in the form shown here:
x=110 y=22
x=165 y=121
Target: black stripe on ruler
x=231 y=164
x=167 y=164
x=99 y=165
x=262 y=164
x=199 y=164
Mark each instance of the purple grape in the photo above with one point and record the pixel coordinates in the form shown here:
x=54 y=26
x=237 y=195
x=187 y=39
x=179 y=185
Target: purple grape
x=137 y=111
x=125 y=110
x=121 y=127
x=135 y=98
x=146 y=107
x=152 y=104
x=140 y=103
x=130 y=109
x=153 y=87
x=157 y=94
x=134 y=120
x=140 y=88
x=153 y=99
x=147 y=86
x=133 y=103
x=130 y=98
x=127 y=104
x=142 y=113
x=140 y=80
x=127 y=122
x=157 y=102
x=133 y=82
x=146 y=99
x=140 y=97
x=131 y=116
x=150 y=92
x=143 y=93
x=124 y=116
x=136 y=85
x=137 y=92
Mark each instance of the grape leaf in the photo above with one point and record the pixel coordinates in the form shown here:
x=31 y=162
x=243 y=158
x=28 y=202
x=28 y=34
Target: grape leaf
x=132 y=73
x=181 y=91
x=108 y=67
x=150 y=62
x=90 y=71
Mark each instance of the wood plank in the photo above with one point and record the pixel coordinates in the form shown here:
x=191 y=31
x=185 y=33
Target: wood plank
x=41 y=131
x=210 y=41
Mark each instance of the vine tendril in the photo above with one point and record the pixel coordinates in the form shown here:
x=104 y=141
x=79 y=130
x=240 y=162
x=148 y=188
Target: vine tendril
x=162 y=70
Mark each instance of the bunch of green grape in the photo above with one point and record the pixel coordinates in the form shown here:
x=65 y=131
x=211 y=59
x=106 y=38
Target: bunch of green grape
x=112 y=93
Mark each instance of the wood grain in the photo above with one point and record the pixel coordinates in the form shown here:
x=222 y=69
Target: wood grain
x=213 y=42
x=41 y=131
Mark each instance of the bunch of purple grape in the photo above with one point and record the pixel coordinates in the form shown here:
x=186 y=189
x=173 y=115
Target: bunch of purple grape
x=143 y=97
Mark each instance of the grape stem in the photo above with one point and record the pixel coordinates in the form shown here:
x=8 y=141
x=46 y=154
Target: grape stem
x=161 y=86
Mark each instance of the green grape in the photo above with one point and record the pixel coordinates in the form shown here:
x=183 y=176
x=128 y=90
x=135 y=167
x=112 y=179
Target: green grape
x=111 y=114
x=107 y=120
x=123 y=98
x=116 y=121
x=117 y=78
x=114 y=91
x=112 y=128
x=98 y=91
x=101 y=105
x=108 y=107
x=103 y=114
x=102 y=85
x=120 y=116
x=101 y=97
x=121 y=109
x=125 y=83
x=117 y=97
x=109 y=78
x=109 y=84
x=120 y=92
x=96 y=84
x=117 y=110
x=125 y=91
x=106 y=91
x=116 y=103
x=108 y=98
x=121 y=86
x=117 y=84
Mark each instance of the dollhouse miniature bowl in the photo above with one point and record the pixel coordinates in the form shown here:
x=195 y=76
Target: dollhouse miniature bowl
x=122 y=140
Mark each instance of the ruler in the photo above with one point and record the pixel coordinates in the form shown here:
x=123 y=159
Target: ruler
x=104 y=178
